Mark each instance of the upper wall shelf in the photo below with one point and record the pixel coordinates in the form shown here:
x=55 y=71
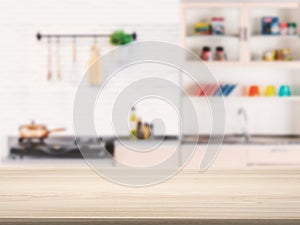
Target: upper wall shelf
x=242 y=41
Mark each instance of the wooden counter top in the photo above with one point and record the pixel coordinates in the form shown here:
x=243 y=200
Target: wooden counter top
x=80 y=193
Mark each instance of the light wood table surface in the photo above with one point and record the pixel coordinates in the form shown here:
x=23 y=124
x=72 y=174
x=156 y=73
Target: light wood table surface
x=76 y=194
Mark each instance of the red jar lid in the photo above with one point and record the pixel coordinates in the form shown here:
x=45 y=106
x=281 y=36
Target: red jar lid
x=283 y=25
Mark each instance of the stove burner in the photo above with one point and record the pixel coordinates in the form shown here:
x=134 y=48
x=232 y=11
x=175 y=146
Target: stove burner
x=62 y=147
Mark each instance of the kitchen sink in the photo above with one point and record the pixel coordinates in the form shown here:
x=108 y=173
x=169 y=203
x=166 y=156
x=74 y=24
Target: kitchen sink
x=240 y=139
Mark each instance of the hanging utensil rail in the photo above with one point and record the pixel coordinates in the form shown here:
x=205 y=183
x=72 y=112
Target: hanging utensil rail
x=40 y=36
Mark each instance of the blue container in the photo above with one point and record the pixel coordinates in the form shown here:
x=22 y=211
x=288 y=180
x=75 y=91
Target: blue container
x=270 y=25
x=284 y=91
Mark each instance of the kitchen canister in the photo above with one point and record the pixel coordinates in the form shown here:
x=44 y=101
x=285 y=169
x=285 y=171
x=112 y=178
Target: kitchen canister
x=284 y=91
x=283 y=28
x=206 y=54
x=292 y=28
x=254 y=91
x=270 y=91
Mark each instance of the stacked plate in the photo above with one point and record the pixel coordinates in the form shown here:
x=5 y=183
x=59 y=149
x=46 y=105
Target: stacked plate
x=216 y=89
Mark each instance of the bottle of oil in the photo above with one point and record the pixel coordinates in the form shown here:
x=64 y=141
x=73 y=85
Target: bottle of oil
x=139 y=130
x=133 y=123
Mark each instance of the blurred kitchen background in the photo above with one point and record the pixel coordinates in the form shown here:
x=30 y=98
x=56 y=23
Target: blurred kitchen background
x=27 y=94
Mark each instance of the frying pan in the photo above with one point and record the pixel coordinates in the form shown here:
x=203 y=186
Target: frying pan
x=35 y=131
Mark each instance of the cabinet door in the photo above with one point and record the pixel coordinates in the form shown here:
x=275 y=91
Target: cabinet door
x=229 y=156
x=273 y=155
x=232 y=13
x=265 y=28
x=147 y=153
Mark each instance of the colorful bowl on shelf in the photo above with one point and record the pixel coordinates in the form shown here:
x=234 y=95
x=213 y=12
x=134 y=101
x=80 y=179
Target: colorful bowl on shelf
x=270 y=91
x=284 y=91
x=254 y=91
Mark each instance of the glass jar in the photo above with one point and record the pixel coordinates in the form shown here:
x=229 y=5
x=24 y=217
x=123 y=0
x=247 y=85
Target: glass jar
x=292 y=28
x=206 y=54
x=283 y=28
x=220 y=54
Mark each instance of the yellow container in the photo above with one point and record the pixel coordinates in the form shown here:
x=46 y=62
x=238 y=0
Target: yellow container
x=270 y=91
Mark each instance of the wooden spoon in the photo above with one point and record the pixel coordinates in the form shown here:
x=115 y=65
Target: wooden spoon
x=74 y=74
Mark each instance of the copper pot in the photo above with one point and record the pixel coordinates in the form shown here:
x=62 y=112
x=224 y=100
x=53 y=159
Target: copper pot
x=36 y=131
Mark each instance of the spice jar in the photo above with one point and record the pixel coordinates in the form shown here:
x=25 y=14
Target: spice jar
x=269 y=55
x=220 y=54
x=283 y=28
x=287 y=54
x=206 y=54
x=279 y=55
x=292 y=28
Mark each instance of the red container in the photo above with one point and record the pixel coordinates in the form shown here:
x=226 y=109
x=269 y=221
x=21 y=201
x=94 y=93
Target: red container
x=254 y=90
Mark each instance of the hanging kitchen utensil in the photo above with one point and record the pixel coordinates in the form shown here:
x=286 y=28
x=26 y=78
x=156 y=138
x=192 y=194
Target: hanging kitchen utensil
x=49 y=73
x=58 y=60
x=95 y=70
x=35 y=131
x=74 y=74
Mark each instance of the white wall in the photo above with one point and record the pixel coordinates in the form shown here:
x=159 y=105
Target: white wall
x=25 y=93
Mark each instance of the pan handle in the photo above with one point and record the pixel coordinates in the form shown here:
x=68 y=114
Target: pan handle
x=57 y=130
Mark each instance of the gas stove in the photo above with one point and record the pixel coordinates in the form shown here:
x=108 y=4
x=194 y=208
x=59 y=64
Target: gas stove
x=60 y=147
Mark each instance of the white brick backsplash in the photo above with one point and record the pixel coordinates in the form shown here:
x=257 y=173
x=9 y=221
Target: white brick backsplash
x=25 y=94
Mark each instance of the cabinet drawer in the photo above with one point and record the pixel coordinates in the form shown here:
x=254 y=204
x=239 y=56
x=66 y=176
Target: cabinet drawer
x=147 y=154
x=227 y=157
x=278 y=155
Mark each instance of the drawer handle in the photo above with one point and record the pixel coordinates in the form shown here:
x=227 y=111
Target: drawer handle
x=279 y=150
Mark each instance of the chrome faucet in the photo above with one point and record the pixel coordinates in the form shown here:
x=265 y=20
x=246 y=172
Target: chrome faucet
x=244 y=121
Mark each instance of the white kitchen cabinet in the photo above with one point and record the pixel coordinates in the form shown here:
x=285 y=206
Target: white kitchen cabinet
x=229 y=156
x=242 y=41
x=241 y=156
x=273 y=155
x=191 y=155
x=146 y=153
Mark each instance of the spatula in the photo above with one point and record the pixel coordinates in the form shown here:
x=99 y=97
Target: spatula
x=74 y=74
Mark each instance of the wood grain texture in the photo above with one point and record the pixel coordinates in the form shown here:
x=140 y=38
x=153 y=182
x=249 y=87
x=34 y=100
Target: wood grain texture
x=254 y=193
x=142 y=221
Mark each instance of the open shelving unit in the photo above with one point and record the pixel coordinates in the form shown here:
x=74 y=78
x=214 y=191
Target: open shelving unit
x=244 y=45
x=243 y=42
